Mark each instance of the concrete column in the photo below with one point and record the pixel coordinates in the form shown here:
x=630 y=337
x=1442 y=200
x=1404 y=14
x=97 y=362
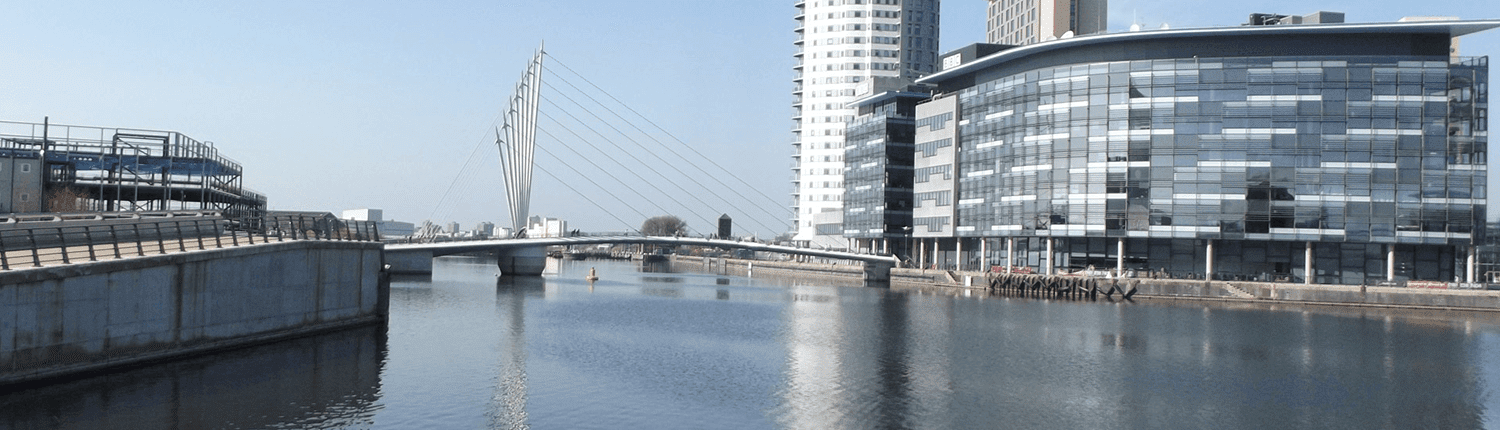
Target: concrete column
x=958 y=246
x=984 y=255
x=1047 y=270
x=1010 y=252
x=1390 y=262
x=1307 y=265
x=1208 y=271
x=1473 y=265
x=921 y=253
x=1120 y=258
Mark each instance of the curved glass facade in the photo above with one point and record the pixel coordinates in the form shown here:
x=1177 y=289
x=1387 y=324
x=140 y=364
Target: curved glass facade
x=1354 y=159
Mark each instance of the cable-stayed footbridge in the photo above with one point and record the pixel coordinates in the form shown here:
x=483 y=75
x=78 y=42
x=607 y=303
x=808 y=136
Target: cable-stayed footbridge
x=631 y=164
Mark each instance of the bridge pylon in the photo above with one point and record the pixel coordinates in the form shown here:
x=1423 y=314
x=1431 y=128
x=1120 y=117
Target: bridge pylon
x=516 y=139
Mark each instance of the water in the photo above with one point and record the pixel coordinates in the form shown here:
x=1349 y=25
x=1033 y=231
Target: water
x=464 y=349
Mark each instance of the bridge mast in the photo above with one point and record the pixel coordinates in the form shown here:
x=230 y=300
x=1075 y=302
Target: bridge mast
x=517 y=142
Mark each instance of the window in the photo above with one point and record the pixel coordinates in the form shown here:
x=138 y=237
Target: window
x=25 y=167
x=25 y=197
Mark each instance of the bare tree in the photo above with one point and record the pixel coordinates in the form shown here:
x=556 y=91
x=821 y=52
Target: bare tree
x=665 y=225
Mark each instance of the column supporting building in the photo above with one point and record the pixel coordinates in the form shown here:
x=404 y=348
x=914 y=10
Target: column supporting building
x=1120 y=258
x=1048 y=269
x=1307 y=264
x=1208 y=270
x=1390 y=262
x=958 y=246
x=1473 y=268
x=1010 y=253
x=984 y=255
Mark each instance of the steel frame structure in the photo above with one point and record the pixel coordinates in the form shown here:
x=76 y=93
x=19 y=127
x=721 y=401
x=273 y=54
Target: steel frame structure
x=129 y=170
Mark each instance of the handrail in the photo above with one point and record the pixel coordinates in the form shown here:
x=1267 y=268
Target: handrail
x=47 y=244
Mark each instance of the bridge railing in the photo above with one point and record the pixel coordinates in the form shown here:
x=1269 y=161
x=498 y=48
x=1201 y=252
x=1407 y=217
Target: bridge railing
x=54 y=243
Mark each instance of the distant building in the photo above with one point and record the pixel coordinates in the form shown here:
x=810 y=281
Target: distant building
x=452 y=228
x=388 y=229
x=363 y=215
x=1023 y=22
x=485 y=229
x=546 y=227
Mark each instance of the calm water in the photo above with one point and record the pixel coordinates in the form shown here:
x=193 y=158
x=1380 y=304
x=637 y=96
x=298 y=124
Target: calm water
x=680 y=350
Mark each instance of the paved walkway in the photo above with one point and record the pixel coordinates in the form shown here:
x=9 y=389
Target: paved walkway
x=47 y=257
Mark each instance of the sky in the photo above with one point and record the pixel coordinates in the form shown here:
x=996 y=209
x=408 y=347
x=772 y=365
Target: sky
x=334 y=105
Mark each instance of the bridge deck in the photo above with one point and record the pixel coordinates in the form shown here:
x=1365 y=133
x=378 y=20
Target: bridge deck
x=450 y=248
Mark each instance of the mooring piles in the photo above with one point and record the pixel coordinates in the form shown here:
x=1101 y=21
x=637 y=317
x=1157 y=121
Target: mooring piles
x=1061 y=287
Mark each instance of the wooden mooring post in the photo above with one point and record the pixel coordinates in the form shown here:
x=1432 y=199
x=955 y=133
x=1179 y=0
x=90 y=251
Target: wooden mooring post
x=1060 y=287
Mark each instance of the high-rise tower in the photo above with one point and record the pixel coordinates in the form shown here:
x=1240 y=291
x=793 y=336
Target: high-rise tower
x=842 y=46
x=1022 y=22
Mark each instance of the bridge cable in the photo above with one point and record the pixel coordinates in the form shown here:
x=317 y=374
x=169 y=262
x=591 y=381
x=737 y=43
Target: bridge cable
x=601 y=169
x=466 y=170
x=656 y=154
x=596 y=166
x=643 y=148
x=633 y=157
x=664 y=131
x=664 y=146
x=591 y=201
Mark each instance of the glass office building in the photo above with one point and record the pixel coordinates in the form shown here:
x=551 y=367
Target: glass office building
x=878 y=150
x=1342 y=153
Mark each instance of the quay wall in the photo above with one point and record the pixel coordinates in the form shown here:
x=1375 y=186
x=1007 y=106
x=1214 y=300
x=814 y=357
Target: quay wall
x=1150 y=289
x=1321 y=294
x=66 y=320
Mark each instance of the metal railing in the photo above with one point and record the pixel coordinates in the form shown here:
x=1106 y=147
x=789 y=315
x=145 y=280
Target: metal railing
x=52 y=243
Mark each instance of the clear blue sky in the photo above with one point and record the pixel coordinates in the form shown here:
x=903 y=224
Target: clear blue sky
x=336 y=105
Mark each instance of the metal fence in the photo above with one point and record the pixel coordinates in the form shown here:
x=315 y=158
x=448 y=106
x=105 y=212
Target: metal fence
x=39 y=244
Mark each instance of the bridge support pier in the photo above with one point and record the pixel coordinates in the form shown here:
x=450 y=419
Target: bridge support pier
x=526 y=261
x=878 y=271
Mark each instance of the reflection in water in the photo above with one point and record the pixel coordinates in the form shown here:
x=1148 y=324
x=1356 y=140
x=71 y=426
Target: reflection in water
x=508 y=410
x=468 y=351
x=657 y=266
x=323 y=381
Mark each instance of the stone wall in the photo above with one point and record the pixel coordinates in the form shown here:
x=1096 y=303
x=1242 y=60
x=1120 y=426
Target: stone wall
x=62 y=320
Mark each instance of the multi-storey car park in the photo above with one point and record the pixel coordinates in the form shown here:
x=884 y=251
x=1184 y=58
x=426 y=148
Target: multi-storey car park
x=1332 y=153
x=843 y=45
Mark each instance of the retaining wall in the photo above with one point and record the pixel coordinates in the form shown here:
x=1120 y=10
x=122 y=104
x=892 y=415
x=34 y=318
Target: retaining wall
x=1323 y=294
x=63 y=320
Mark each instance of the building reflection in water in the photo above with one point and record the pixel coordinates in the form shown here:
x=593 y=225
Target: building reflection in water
x=330 y=380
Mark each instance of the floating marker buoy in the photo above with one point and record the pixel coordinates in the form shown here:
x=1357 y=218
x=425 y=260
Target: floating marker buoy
x=592 y=277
